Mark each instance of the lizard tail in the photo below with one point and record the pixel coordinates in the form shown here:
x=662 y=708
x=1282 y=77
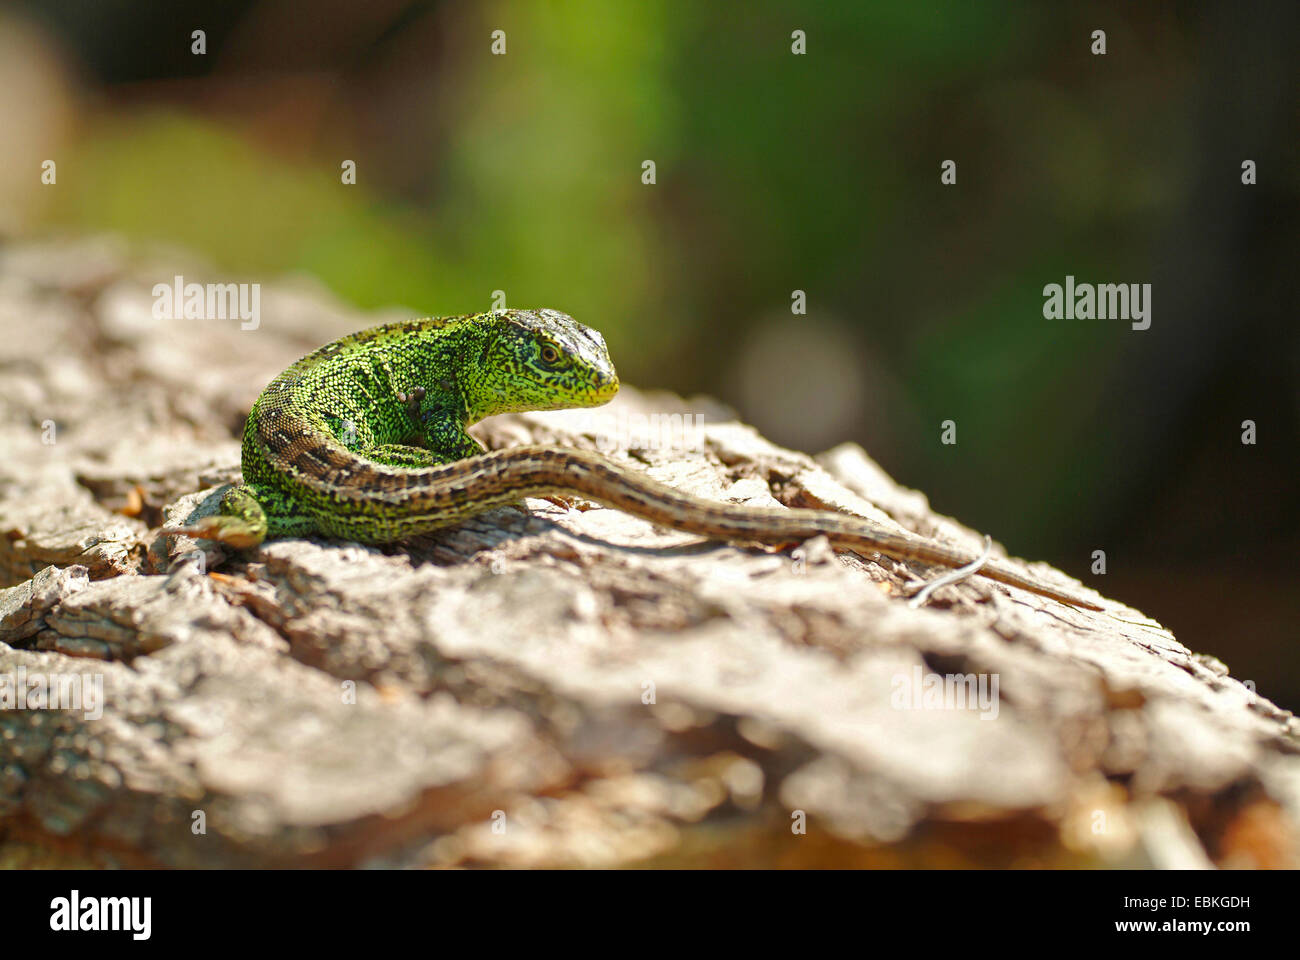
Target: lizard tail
x=654 y=501
x=422 y=500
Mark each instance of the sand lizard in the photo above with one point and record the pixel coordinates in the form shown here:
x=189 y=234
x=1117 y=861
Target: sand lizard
x=365 y=439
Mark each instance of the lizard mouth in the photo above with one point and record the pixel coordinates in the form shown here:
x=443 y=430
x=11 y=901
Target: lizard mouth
x=605 y=387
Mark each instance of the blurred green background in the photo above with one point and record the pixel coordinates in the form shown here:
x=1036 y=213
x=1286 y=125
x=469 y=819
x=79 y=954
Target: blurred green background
x=775 y=172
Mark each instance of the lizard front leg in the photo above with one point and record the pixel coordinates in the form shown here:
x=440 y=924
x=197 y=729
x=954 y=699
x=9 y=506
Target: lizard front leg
x=452 y=443
x=438 y=422
x=403 y=455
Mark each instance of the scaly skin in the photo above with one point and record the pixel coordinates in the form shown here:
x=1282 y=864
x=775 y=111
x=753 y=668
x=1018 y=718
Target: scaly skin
x=365 y=439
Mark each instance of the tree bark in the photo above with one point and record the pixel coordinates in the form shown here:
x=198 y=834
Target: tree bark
x=554 y=685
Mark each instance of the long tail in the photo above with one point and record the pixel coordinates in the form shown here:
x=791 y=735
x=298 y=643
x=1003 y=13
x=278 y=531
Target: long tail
x=375 y=503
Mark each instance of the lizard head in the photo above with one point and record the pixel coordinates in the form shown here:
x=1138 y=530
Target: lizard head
x=541 y=360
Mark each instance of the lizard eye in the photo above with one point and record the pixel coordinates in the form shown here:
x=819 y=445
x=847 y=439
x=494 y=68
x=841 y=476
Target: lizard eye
x=550 y=354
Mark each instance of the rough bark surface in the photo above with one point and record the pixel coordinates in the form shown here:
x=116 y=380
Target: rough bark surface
x=550 y=685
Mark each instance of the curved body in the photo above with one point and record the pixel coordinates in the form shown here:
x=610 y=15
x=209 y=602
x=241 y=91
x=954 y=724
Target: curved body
x=365 y=439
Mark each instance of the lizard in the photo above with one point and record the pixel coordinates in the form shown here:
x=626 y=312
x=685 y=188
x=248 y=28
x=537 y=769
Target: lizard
x=365 y=439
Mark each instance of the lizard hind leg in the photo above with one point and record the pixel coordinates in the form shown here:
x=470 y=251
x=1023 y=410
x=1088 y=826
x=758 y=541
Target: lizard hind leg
x=240 y=523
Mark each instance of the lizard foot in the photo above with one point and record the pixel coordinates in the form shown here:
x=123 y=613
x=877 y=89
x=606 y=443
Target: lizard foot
x=240 y=524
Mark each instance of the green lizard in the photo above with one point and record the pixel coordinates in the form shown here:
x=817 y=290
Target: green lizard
x=365 y=439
